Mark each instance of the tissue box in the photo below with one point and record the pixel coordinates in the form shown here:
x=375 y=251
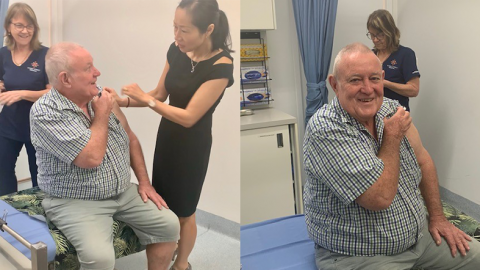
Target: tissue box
x=253 y=52
x=254 y=96
x=252 y=74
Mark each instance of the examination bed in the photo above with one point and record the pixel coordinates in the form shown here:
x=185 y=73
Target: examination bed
x=283 y=243
x=25 y=216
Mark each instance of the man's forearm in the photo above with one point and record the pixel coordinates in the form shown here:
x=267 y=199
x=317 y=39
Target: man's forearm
x=137 y=161
x=430 y=190
x=390 y=155
x=92 y=155
x=381 y=194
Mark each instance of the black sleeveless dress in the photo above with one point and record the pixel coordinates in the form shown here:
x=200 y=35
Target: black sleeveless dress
x=181 y=154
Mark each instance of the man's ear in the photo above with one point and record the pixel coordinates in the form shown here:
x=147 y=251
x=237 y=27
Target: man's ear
x=64 y=79
x=333 y=82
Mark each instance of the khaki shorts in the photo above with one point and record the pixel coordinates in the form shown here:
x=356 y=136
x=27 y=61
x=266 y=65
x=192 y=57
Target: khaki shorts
x=88 y=224
x=424 y=254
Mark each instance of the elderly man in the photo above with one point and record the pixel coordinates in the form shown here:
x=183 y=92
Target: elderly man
x=367 y=173
x=84 y=152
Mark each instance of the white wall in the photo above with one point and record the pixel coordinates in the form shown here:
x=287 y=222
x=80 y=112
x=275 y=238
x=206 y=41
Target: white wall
x=443 y=36
x=129 y=41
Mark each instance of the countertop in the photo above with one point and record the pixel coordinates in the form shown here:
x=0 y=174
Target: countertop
x=262 y=118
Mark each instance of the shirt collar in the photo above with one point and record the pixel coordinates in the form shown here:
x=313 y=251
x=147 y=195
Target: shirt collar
x=344 y=115
x=64 y=103
x=384 y=111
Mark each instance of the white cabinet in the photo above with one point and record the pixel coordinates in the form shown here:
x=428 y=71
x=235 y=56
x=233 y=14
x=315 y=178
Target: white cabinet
x=269 y=170
x=266 y=174
x=257 y=15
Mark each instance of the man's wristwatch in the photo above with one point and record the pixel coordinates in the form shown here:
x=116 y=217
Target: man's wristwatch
x=151 y=103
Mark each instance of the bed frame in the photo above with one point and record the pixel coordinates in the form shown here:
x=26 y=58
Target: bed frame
x=38 y=250
x=65 y=258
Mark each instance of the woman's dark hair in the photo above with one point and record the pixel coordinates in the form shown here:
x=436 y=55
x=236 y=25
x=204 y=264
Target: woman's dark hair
x=206 y=12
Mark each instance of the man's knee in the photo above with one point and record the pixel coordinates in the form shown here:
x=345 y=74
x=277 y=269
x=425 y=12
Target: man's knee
x=97 y=258
x=474 y=253
x=162 y=228
x=171 y=228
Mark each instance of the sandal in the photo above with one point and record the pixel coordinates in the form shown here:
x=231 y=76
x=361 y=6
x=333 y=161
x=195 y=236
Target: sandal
x=188 y=268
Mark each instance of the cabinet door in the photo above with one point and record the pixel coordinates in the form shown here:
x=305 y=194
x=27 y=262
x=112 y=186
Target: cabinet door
x=257 y=15
x=266 y=174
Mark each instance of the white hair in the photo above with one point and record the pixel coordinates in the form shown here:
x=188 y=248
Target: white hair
x=347 y=50
x=57 y=60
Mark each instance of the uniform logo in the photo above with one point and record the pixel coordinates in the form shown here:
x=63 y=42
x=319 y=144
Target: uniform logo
x=34 y=66
x=392 y=64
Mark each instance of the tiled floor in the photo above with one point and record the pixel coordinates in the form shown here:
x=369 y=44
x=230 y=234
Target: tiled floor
x=217 y=248
x=12 y=259
x=213 y=251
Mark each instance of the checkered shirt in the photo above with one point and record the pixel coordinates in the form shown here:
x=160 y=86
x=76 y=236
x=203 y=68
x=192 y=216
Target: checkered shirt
x=340 y=159
x=59 y=132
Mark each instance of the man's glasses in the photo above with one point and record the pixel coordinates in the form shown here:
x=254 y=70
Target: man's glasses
x=19 y=27
x=379 y=36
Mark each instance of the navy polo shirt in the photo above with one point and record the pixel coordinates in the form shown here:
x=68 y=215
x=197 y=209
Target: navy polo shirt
x=31 y=75
x=400 y=67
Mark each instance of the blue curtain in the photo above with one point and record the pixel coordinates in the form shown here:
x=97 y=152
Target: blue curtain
x=3 y=13
x=315 y=23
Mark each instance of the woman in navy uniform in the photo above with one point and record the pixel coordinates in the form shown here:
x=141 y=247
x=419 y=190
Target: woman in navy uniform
x=23 y=81
x=402 y=79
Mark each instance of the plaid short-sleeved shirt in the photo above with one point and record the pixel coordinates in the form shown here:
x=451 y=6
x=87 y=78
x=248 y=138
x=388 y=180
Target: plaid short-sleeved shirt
x=340 y=159
x=59 y=132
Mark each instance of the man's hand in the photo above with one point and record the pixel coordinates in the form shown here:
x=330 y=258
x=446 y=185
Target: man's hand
x=398 y=125
x=456 y=239
x=146 y=191
x=103 y=105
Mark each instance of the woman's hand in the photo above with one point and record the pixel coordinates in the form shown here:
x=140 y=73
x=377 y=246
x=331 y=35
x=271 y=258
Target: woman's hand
x=122 y=102
x=135 y=92
x=10 y=97
x=2 y=87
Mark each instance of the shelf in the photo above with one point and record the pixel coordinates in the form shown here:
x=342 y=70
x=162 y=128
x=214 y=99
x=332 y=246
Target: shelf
x=256 y=82
x=257 y=103
x=250 y=35
x=254 y=76
x=254 y=59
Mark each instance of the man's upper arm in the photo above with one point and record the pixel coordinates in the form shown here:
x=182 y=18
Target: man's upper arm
x=414 y=139
x=123 y=120
x=343 y=162
x=59 y=134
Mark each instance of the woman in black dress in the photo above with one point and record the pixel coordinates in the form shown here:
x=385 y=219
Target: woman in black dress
x=198 y=69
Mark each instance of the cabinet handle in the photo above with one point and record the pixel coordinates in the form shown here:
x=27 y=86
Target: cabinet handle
x=279 y=140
